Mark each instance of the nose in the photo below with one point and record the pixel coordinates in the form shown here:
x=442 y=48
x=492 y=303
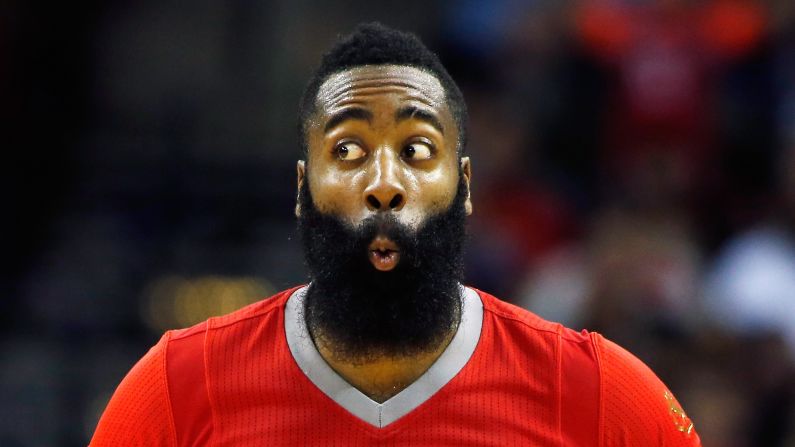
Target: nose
x=385 y=191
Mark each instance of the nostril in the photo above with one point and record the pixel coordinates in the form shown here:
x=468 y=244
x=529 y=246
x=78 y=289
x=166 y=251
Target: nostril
x=397 y=200
x=373 y=202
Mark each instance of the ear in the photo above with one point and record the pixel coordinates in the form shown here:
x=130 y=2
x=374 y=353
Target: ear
x=466 y=171
x=300 y=168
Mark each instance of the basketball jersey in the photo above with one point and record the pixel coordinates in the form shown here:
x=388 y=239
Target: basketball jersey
x=508 y=377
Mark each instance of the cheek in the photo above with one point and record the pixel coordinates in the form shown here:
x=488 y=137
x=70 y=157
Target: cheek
x=336 y=191
x=433 y=191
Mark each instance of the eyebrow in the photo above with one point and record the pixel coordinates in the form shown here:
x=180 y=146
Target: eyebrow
x=351 y=113
x=417 y=113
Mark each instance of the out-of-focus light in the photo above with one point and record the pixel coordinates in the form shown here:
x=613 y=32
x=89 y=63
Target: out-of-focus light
x=176 y=302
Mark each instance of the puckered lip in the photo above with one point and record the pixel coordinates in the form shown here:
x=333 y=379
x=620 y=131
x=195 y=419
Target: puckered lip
x=383 y=253
x=383 y=244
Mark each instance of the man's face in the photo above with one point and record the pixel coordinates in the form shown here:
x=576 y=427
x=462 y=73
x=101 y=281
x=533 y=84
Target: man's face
x=383 y=140
x=382 y=203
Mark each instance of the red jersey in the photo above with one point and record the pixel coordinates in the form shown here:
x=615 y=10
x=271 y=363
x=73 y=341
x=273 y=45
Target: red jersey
x=508 y=377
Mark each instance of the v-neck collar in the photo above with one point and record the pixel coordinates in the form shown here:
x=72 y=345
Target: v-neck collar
x=379 y=415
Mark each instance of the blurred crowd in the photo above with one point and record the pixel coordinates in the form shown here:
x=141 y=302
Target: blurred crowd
x=633 y=174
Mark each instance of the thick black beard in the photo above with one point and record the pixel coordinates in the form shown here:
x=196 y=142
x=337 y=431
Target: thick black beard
x=363 y=313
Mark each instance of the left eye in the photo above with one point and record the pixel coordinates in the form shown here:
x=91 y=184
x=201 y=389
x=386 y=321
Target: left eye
x=417 y=151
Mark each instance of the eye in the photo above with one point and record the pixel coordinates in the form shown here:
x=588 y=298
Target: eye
x=349 y=151
x=418 y=150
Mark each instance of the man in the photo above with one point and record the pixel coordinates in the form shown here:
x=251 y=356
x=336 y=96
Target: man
x=385 y=346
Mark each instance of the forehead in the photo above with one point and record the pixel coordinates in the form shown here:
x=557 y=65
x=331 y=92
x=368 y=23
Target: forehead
x=370 y=82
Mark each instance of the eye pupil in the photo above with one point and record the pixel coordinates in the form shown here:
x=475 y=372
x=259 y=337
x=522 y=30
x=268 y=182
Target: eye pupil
x=342 y=151
x=410 y=151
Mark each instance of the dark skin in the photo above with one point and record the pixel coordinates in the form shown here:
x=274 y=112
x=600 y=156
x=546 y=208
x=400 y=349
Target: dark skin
x=383 y=139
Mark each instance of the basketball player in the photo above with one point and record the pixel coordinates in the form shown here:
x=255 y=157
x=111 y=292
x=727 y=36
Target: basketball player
x=385 y=346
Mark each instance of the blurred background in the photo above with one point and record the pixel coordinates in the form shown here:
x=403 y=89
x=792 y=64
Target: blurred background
x=634 y=173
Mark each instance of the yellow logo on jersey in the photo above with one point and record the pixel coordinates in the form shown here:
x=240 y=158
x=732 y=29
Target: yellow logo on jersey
x=682 y=422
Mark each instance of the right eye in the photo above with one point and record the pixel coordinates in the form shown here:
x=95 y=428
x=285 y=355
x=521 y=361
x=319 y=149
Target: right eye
x=349 y=151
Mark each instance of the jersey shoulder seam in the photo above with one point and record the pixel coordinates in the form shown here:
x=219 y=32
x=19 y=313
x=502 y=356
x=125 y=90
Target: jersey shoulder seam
x=164 y=365
x=207 y=387
x=180 y=334
x=488 y=307
x=594 y=337
x=564 y=334
x=276 y=301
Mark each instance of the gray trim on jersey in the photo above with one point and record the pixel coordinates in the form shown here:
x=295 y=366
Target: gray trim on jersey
x=452 y=360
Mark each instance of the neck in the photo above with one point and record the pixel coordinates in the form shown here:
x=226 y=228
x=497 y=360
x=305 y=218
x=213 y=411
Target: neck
x=381 y=376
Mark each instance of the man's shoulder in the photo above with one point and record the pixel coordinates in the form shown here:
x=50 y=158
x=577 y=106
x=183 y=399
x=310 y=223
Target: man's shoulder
x=533 y=323
x=599 y=377
x=636 y=404
x=188 y=343
x=260 y=308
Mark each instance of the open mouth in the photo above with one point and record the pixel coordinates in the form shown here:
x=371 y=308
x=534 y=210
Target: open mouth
x=383 y=253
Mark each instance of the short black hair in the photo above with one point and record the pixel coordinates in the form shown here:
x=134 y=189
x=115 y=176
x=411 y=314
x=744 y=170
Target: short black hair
x=375 y=44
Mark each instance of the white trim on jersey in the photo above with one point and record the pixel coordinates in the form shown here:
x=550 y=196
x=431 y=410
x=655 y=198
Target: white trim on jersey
x=452 y=360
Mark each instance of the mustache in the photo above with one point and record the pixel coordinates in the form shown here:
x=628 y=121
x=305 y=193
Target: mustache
x=324 y=234
x=387 y=225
